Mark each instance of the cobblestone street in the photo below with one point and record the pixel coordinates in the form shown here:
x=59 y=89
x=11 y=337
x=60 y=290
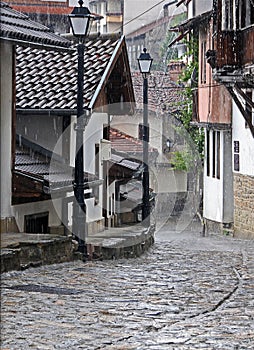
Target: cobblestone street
x=187 y=292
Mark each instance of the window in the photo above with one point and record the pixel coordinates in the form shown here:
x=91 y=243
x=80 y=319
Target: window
x=213 y=149
x=214 y=154
x=37 y=223
x=218 y=155
x=97 y=170
x=248 y=109
x=246 y=13
x=227 y=14
x=203 y=62
x=207 y=153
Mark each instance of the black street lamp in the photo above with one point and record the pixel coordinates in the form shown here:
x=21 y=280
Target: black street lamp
x=80 y=21
x=145 y=63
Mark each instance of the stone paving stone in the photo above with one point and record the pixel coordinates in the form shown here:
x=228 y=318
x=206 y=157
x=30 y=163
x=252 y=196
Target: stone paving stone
x=187 y=292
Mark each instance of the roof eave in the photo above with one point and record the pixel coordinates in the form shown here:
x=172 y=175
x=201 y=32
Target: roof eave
x=45 y=112
x=36 y=45
x=106 y=75
x=191 y=22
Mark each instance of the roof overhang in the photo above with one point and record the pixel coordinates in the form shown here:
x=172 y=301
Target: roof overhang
x=214 y=126
x=188 y=25
x=191 y=22
x=112 y=92
x=122 y=69
x=18 y=29
x=46 y=112
x=34 y=45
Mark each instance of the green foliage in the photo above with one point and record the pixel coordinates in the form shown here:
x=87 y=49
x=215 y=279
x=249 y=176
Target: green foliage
x=166 y=53
x=186 y=112
x=181 y=160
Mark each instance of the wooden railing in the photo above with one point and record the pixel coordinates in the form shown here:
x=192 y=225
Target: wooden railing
x=247 y=45
x=227 y=49
x=234 y=48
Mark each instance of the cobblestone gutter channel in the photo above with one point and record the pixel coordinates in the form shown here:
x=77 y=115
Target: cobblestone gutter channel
x=184 y=293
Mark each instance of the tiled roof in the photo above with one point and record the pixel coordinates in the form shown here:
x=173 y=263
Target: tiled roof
x=36 y=6
x=17 y=27
x=124 y=143
x=163 y=93
x=54 y=174
x=125 y=162
x=48 y=79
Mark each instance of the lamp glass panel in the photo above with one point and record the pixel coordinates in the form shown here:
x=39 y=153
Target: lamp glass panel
x=79 y=25
x=145 y=66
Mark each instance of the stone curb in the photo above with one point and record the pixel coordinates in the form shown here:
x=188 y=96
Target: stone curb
x=31 y=253
x=119 y=243
x=36 y=250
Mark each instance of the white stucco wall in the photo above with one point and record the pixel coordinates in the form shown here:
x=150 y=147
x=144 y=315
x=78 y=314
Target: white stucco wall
x=218 y=193
x=92 y=135
x=6 y=128
x=111 y=191
x=53 y=207
x=246 y=141
x=167 y=180
x=196 y=7
x=213 y=203
x=140 y=13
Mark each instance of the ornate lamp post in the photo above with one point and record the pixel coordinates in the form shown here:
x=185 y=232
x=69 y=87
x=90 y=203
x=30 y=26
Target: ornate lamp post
x=145 y=63
x=80 y=21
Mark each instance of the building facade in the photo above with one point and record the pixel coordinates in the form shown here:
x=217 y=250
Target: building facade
x=34 y=35
x=234 y=53
x=224 y=108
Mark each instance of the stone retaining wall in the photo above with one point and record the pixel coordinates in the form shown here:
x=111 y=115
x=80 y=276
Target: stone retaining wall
x=36 y=252
x=244 y=206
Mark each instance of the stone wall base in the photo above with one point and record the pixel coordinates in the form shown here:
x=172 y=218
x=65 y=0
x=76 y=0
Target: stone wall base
x=218 y=227
x=33 y=251
x=243 y=206
x=96 y=226
x=128 y=218
x=9 y=225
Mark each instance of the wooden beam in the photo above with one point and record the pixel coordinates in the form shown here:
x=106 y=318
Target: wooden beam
x=240 y=107
x=244 y=95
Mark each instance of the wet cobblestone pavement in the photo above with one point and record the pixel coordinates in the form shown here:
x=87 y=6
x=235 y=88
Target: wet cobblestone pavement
x=187 y=292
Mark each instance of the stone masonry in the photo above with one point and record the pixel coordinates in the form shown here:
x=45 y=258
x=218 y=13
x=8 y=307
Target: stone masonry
x=244 y=205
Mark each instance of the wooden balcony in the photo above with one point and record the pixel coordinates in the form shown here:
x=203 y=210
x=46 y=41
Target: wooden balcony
x=247 y=46
x=227 y=49
x=234 y=48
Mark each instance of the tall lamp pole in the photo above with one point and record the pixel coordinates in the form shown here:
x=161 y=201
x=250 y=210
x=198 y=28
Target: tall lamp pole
x=145 y=63
x=80 y=21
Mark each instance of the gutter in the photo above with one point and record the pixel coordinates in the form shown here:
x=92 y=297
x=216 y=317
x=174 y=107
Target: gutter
x=29 y=176
x=217 y=126
x=46 y=112
x=69 y=188
x=36 y=45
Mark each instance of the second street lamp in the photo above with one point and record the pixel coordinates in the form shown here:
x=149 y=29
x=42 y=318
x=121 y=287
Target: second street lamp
x=145 y=63
x=80 y=21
